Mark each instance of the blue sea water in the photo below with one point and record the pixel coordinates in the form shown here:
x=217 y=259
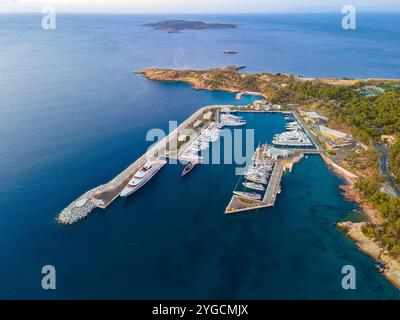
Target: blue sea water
x=73 y=115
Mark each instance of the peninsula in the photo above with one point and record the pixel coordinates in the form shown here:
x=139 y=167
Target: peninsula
x=172 y=26
x=352 y=121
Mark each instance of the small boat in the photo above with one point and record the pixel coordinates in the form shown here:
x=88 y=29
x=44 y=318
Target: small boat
x=188 y=168
x=254 y=186
x=249 y=195
x=230 y=51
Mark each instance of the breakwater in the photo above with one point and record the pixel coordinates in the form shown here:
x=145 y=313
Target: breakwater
x=103 y=195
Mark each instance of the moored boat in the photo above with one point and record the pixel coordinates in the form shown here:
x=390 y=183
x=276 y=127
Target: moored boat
x=142 y=176
x=254 y=186
x=249 y=195
x=188 y=168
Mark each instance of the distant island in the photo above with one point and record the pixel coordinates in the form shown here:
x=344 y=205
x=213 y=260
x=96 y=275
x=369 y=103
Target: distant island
x=174 y=26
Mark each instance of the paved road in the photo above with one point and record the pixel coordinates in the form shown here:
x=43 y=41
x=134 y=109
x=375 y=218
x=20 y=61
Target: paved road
x=384 y=165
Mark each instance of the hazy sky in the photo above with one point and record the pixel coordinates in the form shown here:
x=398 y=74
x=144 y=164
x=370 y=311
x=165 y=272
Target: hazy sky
x=196 y=6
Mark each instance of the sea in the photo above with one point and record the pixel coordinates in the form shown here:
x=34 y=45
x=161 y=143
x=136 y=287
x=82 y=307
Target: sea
x=73 y=114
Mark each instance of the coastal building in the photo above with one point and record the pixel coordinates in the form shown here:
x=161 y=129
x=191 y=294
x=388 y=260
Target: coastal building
x=197 y=124
x=207 y=116
x=335 y=145
x=183 y=138
x=334 y=135
x=389 y=138
x=276 y=153
x=313 y=117
x=371 y=91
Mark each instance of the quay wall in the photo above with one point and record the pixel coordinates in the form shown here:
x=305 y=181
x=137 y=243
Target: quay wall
x=86 y=203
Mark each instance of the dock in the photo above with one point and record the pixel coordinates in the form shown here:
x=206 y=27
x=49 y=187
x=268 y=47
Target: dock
x=239 y=204
x=274 y=184
x=249 y=93
x=104 y=195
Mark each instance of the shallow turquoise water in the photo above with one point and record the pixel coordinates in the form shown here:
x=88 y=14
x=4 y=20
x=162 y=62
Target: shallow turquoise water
x=72 y=116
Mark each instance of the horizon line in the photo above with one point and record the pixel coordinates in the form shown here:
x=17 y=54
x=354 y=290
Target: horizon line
x=204 y=13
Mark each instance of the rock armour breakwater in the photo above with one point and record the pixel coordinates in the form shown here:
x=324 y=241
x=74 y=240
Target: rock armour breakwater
x=104 y=195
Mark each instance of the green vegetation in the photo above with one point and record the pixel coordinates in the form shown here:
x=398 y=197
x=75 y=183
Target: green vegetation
x=386 y=234
x=394 y=160
x=364 y=162
x=181 y=143
x=367 y=117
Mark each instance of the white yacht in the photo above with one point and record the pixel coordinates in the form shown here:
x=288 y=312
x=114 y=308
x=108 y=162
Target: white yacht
x=257 y=179
x=231 y=120
x=194 y=149
x=144 y=174
x=249 y=195
x=292 y=138
x=200 y=145
x=209 y=135
x=292 y=126
x=254 y=186
x=191 y=157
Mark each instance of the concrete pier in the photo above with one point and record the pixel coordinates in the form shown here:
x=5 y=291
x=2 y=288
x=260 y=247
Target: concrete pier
x=274 y=184
x=102 y=196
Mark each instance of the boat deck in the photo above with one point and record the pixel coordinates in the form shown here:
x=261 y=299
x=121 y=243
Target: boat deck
x=239 y=204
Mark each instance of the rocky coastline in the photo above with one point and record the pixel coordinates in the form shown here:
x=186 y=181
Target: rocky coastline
x=199 y=80
x=205 y=80
x=391 y=270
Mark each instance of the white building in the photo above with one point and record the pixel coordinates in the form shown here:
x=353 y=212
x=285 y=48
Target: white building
x=207 y=115
x=197 y=124
x=315 y=117
x=333 y=134
x=182 y=138
x=276 y=153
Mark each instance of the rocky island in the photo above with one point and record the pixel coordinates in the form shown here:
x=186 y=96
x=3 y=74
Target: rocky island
x=174 y=26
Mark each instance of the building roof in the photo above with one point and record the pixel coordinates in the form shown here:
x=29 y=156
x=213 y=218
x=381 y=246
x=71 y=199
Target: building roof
x=332 y=132
x=276 y=153
x=207 y=115
x=226 y=109
x=314 y=115
x=182 y=137
x=197 y=123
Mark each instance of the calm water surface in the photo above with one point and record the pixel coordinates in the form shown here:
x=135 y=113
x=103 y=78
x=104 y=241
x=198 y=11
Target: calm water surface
x=73 y=115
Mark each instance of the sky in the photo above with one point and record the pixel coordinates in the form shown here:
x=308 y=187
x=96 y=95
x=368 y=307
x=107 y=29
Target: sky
x=195 y=6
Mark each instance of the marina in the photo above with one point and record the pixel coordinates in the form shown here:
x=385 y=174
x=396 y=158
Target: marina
x=281 y=163
x=269 y=164
x=199 y=131
x=103 y=195
x=74 y=125
x=186 y=144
